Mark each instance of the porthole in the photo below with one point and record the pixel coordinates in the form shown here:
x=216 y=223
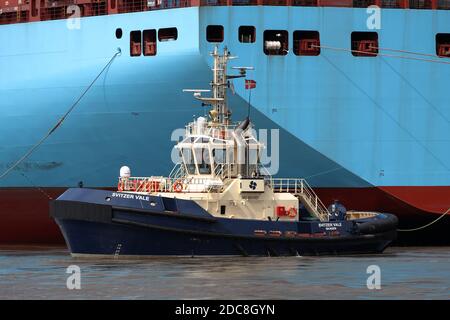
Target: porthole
x=119 y=33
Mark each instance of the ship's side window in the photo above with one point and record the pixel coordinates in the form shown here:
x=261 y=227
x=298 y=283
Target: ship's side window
x=168 y=34
x=214 y=33
x=247 y=34
x=443 y=45
x=276 y=42
x=135 y=43
x=149 y=37
x=364 y=44
x=119 y=33
x=306 y=43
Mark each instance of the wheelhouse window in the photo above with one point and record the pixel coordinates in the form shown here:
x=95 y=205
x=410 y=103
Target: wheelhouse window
x=247 y=34
x=306 y=43
x=364 y=44
x=203 y=160
x=214 y=33
x=168 y=34
x=443 y=45
x=276 y=42
x=219 y=156
x=149 y=37
x=135 y=43
x=188 y=160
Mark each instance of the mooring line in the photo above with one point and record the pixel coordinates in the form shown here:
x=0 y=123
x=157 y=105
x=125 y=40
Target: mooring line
x=427 y=225
x=381 y=54
x=37 y=187
x=60 y=121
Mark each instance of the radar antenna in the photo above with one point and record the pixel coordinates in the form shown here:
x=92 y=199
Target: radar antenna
x=220 y=112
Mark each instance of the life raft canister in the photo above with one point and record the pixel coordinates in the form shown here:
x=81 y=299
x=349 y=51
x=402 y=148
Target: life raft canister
x=292 y=212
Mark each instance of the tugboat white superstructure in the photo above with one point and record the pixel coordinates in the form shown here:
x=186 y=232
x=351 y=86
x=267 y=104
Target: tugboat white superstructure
x=218 y=200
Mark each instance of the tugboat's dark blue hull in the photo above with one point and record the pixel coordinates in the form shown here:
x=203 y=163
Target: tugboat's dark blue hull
x=97 y=222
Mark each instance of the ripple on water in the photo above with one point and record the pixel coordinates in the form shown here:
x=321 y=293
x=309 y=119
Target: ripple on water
x=406 y=273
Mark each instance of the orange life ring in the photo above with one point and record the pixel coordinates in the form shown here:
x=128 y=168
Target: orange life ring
x=292 y=212
x=178 y=186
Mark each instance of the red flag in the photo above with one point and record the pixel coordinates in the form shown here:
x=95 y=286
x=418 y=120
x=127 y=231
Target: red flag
x=250 y=84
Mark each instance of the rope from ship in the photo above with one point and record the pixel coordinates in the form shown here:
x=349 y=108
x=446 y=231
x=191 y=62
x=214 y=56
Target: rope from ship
x=380 y=54
x=427 y=225
x=405 y=51
x=36 y=187
x=60 y=121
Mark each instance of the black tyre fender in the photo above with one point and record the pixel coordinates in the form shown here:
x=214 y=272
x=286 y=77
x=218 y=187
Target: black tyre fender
x=387 y=222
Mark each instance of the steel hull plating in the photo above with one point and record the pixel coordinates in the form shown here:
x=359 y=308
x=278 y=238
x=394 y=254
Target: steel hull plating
x=90 y=238
x=96 y=222
x=43 y=229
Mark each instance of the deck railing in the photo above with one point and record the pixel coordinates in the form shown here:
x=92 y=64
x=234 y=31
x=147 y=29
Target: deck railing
x=15 y=12
x=168 y=184
x=303 y=189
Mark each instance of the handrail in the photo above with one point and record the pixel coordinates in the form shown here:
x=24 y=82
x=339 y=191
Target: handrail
x=178 y=171
x=300 y=186
x=167 y=184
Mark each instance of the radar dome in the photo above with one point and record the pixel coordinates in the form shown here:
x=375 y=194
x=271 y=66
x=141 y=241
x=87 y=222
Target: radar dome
x=125 y=172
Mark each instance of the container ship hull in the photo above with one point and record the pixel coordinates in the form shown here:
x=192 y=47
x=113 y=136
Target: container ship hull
x=369 y=131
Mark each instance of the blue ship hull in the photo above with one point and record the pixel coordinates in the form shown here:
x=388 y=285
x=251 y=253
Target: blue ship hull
x=93 y=222
x=371 y=131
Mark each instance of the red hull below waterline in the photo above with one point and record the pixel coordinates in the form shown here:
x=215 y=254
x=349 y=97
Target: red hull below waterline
x=25 y=216
x=25 y=212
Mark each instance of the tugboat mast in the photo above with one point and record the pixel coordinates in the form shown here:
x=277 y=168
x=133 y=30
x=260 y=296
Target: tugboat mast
x=219 y=114
x=219 y=85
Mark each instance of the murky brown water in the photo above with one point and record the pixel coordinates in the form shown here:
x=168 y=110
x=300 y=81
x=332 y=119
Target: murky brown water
x=406 y=273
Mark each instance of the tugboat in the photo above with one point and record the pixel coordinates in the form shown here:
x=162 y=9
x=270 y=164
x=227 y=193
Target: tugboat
x=218 y=200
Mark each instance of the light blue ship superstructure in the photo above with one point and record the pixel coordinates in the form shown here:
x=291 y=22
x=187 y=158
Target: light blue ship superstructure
x=345 y=121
